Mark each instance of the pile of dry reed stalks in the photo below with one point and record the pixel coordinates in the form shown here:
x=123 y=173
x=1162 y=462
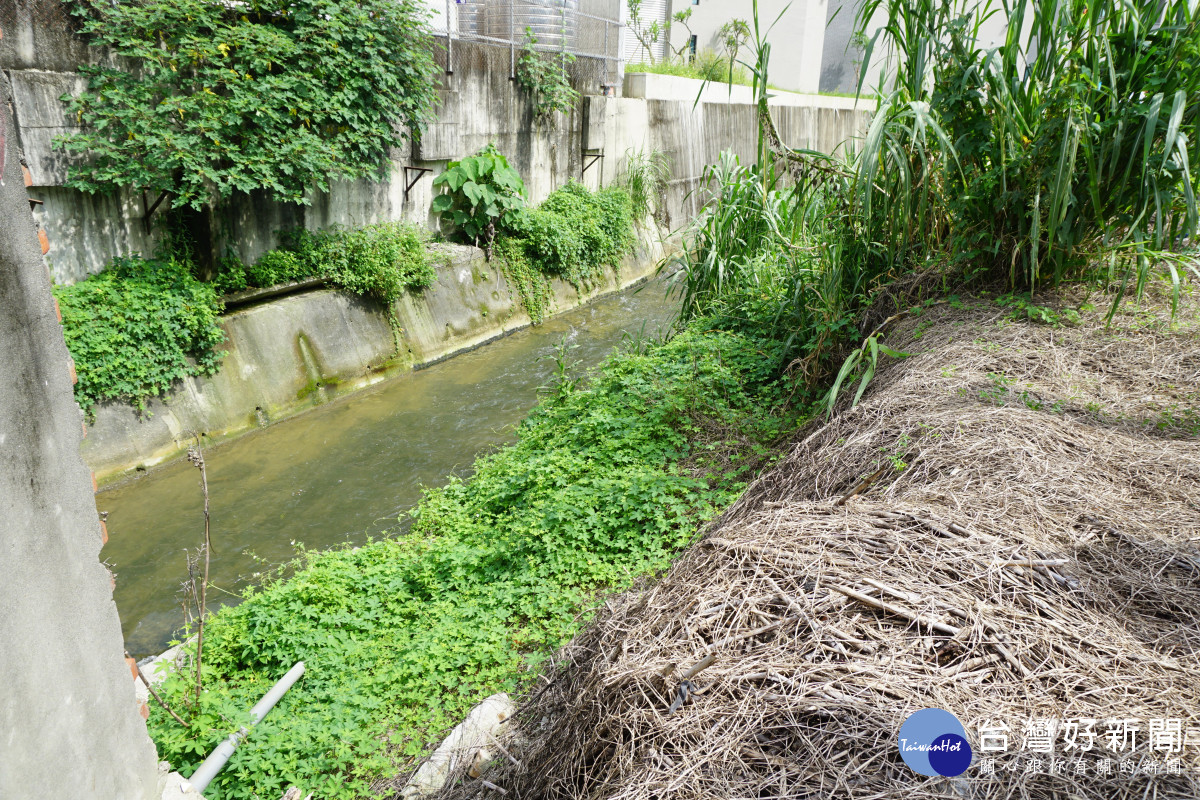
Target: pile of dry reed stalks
x=1007 y=527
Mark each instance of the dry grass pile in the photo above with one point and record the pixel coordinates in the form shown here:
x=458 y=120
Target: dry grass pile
x=1007 y=527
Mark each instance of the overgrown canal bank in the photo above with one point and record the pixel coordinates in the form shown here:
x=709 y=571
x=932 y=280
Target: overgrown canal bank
x=344 y=471
x=285 y=356
x=607 y=481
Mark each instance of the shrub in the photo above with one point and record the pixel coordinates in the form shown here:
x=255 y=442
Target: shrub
x=575 y=233
x=483 y=196
x=274 y=267
x=136 y=328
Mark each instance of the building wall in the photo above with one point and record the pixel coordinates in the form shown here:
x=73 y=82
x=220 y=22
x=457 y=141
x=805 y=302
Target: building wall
x=69 y=725
x=796 y=33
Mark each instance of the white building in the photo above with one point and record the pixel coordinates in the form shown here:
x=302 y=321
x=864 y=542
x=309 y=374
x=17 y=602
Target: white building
x=796 y=34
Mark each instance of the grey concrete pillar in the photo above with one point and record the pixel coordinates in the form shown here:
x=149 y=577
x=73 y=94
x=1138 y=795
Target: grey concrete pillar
x=69 y=725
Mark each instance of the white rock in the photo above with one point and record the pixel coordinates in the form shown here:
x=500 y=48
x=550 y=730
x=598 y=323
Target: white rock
x=463 y=745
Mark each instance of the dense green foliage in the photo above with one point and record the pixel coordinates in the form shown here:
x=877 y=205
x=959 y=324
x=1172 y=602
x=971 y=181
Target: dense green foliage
x=1065 y=145
x=138 y=326
x=483 y=196
x=545 y=77
x=575 y=233
x=400 y=637
x=141 y=324
x=971 y=169
x=211 y=98
x=382 y=261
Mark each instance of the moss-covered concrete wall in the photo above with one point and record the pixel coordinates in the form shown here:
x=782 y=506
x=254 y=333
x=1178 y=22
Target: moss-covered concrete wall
x=291 y=353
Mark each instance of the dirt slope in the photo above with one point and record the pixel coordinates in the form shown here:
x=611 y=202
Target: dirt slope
x=1029 y=549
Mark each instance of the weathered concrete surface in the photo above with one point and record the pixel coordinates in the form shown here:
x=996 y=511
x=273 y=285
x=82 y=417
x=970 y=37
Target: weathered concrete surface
x=469 y=744
x=289 y=354
x=69 y=725
x=480 y=105
x=651 y=86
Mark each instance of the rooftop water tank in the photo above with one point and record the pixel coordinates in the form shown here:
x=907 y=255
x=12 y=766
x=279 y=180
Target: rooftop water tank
x=553 y=22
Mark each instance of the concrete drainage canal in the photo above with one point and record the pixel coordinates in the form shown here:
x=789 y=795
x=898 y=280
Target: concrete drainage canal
x=346 y=470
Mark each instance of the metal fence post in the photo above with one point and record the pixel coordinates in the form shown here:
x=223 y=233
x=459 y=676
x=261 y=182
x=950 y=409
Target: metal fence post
x=512 y=43
x=562 y=35
x=449 y=42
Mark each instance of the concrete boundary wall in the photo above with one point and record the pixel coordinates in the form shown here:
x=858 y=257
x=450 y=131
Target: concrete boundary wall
x=480 y=104
x=69 y=724
x=292 y=353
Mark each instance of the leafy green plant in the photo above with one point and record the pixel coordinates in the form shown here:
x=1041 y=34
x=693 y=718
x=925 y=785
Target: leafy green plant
x=547 y=83
x=863 y=361
x=483 y=196
x=607 y=480
x=205 y=99
x=575 y=232
x=645 y=178
x=136 y=328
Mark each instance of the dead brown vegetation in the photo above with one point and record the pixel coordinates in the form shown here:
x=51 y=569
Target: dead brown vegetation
x=1007 y=527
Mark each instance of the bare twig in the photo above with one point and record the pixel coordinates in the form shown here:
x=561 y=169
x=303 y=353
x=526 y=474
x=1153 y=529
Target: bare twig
x=155 y=694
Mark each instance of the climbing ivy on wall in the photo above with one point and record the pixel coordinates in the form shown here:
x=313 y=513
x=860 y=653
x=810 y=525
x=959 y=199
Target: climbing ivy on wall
x=137 y=327
x=210 y=98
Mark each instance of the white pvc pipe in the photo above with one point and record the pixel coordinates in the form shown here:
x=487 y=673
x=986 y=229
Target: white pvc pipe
x=216 y=760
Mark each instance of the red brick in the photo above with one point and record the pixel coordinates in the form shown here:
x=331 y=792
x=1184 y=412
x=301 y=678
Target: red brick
x=95 y=486
x=103 y=532
x=57 y=310
x=45 y=240
x=143 y=709
x=84 y=424
x=132 y=664
x=28 y=175
x=71 y=366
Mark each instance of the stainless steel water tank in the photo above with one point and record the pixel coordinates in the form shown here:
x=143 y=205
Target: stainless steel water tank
x=470 y=17
x=553 y=22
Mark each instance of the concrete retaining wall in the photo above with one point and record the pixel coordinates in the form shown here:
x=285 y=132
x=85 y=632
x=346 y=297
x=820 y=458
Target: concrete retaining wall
x=480 y=103
x=292 y=353
x=68 y=717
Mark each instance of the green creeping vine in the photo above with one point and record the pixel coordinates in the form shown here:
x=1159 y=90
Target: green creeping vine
x=400 y=637
x=136 y=328
x=546 y=82
x=531 y=284
x=206 y=99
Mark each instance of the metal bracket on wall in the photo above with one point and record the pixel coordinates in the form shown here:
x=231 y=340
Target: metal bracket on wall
x=596 y=156
x=148 y=212
x=408 y=185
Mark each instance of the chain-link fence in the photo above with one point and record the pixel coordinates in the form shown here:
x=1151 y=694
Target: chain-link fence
x=582 y=28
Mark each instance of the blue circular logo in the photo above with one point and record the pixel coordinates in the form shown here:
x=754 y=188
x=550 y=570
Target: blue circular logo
x=933 y=742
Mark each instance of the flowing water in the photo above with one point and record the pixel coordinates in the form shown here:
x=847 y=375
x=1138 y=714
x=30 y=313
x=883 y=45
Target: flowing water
x=345 y=470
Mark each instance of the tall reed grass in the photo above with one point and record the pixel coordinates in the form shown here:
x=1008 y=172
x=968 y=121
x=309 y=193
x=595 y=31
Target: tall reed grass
x=1068 y=150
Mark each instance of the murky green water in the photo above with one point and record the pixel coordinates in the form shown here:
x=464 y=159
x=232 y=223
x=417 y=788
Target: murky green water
x=342 y=471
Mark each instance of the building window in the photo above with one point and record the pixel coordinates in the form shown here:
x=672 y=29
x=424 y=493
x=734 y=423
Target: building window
x=692 y=46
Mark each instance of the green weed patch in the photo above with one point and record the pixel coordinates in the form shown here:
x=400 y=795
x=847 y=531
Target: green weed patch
x=607 y=482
